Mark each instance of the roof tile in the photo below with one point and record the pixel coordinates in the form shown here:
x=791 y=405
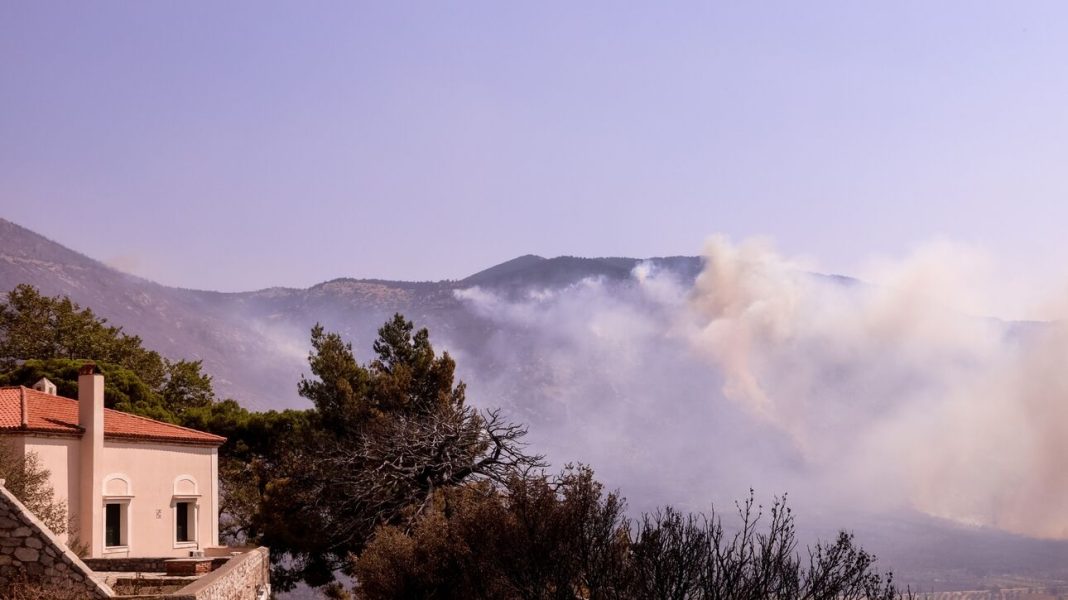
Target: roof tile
x=58 y=415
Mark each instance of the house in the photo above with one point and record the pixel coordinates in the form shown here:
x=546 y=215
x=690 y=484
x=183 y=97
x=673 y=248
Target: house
x=134 y=487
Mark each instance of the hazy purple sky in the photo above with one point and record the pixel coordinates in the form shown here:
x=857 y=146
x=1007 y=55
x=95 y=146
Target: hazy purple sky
x=235 y=146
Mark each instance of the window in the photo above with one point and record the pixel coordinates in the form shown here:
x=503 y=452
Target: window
x=183 y=532
x=113 y=525
x=184 y=503
x=116 y=522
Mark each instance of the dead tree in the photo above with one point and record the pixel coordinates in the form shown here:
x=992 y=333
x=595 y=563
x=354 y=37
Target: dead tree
x=389 y=475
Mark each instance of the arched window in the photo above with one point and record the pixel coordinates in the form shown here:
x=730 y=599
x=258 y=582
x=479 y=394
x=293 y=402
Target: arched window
x=185 y=506
x=117 y=493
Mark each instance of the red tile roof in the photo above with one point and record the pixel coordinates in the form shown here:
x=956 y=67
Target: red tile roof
x=58 y=415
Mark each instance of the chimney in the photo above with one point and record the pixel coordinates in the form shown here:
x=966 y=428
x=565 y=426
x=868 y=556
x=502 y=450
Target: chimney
x=46 y=386
x=24 y=409
x=91 y=420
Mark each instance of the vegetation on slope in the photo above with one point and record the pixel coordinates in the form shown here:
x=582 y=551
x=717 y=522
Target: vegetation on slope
x=393 y=478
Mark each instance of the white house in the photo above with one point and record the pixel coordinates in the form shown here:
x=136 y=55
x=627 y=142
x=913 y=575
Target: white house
x=135 y=487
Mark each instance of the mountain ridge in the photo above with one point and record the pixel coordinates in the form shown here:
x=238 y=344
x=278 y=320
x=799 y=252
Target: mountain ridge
x=254 y=342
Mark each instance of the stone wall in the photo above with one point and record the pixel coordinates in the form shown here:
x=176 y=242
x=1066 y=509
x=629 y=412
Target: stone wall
x=126 y=565
x=243 y=577
x=30 y=552
x=140 y=565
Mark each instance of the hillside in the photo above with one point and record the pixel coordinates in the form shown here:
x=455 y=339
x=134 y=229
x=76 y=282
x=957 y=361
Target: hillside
x=255 y=343
x=571 y=346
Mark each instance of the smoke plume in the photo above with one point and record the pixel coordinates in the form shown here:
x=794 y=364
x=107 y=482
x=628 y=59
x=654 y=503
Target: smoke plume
x=894 y=391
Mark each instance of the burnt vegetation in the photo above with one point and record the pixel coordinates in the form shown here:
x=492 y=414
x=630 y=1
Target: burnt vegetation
x=563 y=537
x=392 y=478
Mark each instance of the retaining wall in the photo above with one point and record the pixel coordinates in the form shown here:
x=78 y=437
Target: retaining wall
x=141 y=565
x=126 y=565
x=30 y=552
x=243 y=577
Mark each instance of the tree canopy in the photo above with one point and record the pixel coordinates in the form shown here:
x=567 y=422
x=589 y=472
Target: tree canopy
x=34 y=326
x=384 y=436
x=52 y=337
x=406 y=378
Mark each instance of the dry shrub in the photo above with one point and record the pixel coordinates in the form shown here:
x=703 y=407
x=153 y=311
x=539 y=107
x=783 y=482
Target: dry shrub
x=21 y=588
x=563 y=538
x=26 y=478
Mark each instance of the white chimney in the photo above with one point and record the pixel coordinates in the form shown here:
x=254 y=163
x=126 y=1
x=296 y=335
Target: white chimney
x=91 y=420
x=46 y=386
x=24 y=409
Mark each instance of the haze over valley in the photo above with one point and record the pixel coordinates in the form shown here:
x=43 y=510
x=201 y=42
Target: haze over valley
x=712 y=251
x=932 y=430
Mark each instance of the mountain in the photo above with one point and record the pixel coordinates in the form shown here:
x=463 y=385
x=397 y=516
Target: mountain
x=535 y=271
x=574 y=347
x=255 y=343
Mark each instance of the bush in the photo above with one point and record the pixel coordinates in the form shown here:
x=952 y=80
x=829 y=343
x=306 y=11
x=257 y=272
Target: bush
x=543 y=538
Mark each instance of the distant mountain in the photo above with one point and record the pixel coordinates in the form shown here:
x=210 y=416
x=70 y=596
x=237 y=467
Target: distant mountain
x=637 y=418
x=530 y=270
x=255 y=343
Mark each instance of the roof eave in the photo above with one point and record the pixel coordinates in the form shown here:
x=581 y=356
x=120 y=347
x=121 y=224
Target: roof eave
x=121 y=437
x=40 y=432
x=111 y=437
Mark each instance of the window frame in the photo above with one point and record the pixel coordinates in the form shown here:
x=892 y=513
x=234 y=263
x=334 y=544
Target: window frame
x=182 y=521
x=123 y=502
x=192 y=520
x=112 y=509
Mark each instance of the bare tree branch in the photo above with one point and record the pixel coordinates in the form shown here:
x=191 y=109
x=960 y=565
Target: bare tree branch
x=389 y=475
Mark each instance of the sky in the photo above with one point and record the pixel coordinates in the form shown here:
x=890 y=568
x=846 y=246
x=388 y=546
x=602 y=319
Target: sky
x=236 y=146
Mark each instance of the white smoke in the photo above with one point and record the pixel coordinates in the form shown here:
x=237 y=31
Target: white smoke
x=898 y=392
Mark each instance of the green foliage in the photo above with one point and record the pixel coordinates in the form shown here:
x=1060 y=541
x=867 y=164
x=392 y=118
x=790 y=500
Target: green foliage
x=33 y=326
x=383 y=438
x=339 y=390
x=260 y=448
x=186 y=388
x=122 y=387
x=406 y=378
x=52 y=337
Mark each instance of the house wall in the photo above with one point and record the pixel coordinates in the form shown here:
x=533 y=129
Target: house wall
x=60 y=456
x=149 y=479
